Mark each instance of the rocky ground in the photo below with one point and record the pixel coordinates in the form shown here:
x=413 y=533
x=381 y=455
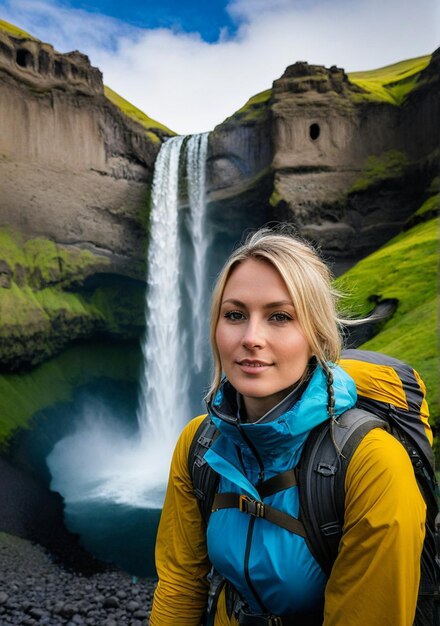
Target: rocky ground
x=34 y=589
x=45 y=575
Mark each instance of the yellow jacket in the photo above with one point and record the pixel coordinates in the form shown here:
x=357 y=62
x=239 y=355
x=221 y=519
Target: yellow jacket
x=375 y=578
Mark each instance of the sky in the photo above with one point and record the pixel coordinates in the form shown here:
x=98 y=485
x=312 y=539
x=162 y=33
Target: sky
x=189 y=64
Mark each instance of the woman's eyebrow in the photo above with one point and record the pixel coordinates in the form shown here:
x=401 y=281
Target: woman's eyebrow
x=268 y=305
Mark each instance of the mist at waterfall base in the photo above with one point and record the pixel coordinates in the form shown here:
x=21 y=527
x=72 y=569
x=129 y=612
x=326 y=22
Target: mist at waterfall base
x=112 y=477
x=112 y=482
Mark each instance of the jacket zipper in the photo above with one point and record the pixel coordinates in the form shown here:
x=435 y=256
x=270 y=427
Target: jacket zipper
x=250 y=532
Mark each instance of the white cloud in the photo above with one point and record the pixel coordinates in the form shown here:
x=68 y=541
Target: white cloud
x=191 y=85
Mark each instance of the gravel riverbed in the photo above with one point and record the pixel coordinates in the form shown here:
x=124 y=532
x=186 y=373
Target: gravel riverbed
x=34 y=589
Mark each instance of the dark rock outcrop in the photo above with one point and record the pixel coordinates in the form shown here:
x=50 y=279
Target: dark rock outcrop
x=298 y=155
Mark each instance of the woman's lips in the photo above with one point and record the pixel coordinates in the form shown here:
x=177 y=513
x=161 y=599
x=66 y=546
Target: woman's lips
x=253 y=366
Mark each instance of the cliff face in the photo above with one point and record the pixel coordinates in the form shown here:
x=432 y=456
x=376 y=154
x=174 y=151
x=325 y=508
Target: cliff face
x=73 y=167
x=301 y=151
x=75 y=176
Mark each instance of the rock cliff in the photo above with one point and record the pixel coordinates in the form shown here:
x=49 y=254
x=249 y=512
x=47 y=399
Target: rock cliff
x=348 y=169
x=75 y=177
x=73 y=167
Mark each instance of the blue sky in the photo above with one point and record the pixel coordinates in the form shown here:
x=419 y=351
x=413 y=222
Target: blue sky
x=190 y=64
x=208 y=18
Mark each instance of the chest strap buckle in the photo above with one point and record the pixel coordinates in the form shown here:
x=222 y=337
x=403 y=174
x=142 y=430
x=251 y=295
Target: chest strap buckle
x=252 y=507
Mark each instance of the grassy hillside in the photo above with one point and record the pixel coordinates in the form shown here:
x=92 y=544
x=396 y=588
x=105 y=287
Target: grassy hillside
x=254 y=109
x=391 y=83
x=14 y=30
x=407 y=269
x=137 y=115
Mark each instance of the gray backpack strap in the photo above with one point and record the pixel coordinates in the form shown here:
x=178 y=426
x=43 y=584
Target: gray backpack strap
x=204 y=478
x=321 y=480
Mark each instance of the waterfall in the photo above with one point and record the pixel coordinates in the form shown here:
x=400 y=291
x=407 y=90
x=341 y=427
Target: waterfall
x=100 y=462
x=196 y=159
x=176 y=331
x=162 y=376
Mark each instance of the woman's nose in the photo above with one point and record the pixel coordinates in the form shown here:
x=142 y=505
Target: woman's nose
x=254 y=335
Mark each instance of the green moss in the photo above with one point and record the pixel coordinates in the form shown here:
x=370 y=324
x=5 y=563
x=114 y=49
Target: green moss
x=406 y=269
x=46 y=262
x=430 y=206
x=138 y=116
x=434 y=187
x=275 y=198
x=22 y=395
x=14 y=30
x=254 y=109
x=388 y=165
x=122 y=307
x=391 y=83
x=19 y=307
x=41 y=270
x=43 y=304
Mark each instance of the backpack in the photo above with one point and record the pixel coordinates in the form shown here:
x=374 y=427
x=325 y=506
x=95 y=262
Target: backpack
x=391 y=395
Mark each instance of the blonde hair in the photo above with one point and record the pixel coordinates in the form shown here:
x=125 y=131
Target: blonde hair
x=308 y=281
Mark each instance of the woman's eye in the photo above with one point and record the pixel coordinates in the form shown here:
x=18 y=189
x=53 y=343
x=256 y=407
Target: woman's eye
x=280 y=317
x=234 y=316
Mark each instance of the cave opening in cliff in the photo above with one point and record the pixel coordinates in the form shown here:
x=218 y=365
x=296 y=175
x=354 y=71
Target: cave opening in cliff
x=314 y=131
x=44 y=62
x=24 y=58
x=58 y=69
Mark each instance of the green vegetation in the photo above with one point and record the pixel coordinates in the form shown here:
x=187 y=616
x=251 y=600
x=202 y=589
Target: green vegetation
x=42 y=303
x=46 y=262
x=14 y=30
x=22 y=395
x=138 y=116
x=391 y=83
x=430 y=207
x=388 y=165
x=39 y=311
x=407 y=269
x=275 y=198
x=40 y=271
x=254 y=109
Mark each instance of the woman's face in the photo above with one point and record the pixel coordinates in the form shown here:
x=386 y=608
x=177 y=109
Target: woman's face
x=262 y=348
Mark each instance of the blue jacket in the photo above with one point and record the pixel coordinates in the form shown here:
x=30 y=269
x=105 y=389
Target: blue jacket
x=259 y=558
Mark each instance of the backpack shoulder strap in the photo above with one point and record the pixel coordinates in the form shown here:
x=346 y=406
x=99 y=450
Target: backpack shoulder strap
x=321 y=480
x=204 y=478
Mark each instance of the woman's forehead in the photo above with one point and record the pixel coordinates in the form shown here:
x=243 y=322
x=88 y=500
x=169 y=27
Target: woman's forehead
x=256 y=277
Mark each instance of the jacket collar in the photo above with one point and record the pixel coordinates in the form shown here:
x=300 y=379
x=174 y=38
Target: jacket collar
x=284 y=429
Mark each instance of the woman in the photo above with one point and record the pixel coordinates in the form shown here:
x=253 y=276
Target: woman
x=275 y=339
